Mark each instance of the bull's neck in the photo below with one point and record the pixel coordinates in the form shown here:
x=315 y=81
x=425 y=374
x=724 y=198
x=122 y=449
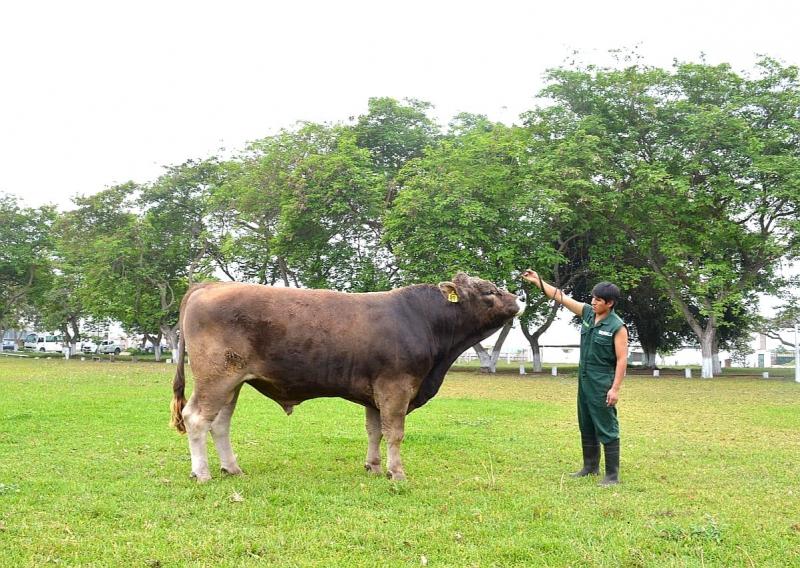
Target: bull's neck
x=452 y=326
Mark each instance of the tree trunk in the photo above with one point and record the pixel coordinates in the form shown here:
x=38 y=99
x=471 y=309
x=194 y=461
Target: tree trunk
x=717 y=365
x=489 y=360
x=485 y=359
x=707 y=335
x=649 y=350
x=171 y=333
x=533 y=338
x=707 y=349
x=157 y=346
x=536 y=351
x=70 y=340
x=649 y=357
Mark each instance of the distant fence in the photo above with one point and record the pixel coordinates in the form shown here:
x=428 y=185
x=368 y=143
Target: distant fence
x=519 y=357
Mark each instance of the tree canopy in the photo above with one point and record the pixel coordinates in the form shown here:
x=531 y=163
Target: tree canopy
x=680 y=184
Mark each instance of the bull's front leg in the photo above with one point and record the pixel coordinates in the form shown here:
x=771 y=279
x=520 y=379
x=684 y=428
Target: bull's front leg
x=393 y=426
x=374 y=434
x=393 y=396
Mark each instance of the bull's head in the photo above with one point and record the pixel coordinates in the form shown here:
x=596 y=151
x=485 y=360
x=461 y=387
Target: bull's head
x=491 y=305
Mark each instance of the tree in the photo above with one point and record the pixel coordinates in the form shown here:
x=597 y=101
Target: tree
x=59 y=307
x=562 y=158
x=141 y=246
x=246 y=208
x=331 y=228
x=173 y=244
x=462 y=207
x=716 y=150
x=25 y=258
x=395 y=132
x=305 y=207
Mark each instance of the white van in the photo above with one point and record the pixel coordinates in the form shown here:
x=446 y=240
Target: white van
x=30 y=341
x=44 y=342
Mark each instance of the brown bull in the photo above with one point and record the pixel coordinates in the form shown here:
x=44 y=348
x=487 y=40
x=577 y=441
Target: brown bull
x=388 y=351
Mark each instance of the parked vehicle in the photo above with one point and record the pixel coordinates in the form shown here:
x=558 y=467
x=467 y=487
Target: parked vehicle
x=30 y=341
x=9 y=345
x=110 y=346
x=88 y=347
x=49 y=343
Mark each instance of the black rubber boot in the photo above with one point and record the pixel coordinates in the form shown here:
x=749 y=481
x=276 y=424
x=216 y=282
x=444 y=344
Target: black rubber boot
x=591 y=458
x=612 y=464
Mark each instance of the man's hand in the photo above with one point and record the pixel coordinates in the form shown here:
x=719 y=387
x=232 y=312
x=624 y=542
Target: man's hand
x=612 y=397
x=552 y=292
x=533 y=277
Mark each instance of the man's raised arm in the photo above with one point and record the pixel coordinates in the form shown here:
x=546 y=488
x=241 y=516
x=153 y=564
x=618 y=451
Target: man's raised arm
x=552 y=292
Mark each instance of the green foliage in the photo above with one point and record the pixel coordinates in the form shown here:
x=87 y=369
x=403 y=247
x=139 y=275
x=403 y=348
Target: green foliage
x=700 y=175
x=395 y=132
x=681 y=185
x=465 y=206
x=138 y=247
x=25 y=260
x=330 y=224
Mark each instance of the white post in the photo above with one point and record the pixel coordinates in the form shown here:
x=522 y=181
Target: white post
x=554 y=372
x=796 y=355
x=765 y=375
x=688 y=373
x=522 y=369
x=656 y=372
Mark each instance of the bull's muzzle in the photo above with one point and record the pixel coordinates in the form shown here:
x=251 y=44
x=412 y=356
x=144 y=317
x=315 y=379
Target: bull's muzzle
x=522 y=301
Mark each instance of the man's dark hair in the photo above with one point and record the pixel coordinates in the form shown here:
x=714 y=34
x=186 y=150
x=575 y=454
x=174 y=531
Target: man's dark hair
x=607 y=291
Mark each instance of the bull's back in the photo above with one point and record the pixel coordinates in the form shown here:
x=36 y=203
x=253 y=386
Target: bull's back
x=304 y=343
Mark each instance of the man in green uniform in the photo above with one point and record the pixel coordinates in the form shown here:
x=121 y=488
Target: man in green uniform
x=604 y=357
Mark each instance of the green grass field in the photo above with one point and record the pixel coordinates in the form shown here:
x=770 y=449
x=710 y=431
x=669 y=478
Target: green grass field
x=91 y=475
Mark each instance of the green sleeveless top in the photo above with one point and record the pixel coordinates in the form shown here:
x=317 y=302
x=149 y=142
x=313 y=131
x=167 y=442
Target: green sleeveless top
x=597 y=343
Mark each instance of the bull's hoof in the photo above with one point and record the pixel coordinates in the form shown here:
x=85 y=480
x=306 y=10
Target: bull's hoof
x=234 y=470
x=396 y=475
x=201 y=477
x=373 y=468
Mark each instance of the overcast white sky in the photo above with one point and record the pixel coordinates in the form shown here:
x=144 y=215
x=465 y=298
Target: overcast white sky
x=98 y=93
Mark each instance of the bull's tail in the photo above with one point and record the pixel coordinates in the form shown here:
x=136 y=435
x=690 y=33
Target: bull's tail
x=179 y=382
x=178 y=386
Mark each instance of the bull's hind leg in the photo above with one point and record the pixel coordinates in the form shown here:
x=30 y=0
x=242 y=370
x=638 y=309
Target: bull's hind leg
x=374 y=434
x=197 y=427
x=199 y=416
x=221 y=432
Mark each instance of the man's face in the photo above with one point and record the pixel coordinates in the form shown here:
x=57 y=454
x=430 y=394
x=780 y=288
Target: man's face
x=600 y=306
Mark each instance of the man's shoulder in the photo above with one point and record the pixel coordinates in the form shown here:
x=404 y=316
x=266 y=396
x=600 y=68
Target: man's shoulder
x=614 y=320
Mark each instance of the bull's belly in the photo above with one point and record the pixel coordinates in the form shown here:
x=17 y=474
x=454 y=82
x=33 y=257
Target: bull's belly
x=290 y=391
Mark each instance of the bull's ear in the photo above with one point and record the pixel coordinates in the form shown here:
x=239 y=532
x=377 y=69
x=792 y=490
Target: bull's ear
x=449 y=291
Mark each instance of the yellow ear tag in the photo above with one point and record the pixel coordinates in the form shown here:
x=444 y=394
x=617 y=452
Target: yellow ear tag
x=453 y=297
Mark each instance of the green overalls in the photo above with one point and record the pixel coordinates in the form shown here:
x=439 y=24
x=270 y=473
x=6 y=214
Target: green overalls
x=596 y=375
